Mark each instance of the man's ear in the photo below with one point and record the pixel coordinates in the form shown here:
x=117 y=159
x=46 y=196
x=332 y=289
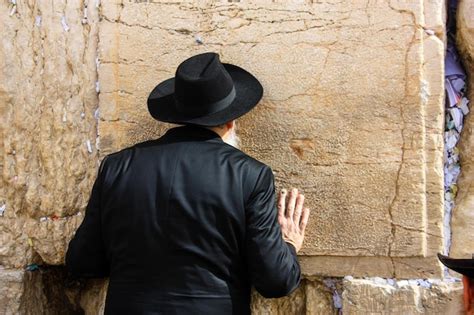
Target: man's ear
x=230 y=124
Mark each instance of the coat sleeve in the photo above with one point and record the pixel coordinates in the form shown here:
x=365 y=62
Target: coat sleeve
x=85 y=256
x=273 y=265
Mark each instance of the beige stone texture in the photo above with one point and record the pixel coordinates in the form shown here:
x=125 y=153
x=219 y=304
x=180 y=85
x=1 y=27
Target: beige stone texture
x=34 y=292
x=366 y=297
x=312 y=297
x=387 y=267
x=48 y=99
x=352 y=114
x=463 y=215
x=352 y=111
x=11 y=291
x=359 y=296
x=49 y=239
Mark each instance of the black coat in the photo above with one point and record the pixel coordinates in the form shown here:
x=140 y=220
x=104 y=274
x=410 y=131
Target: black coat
x=184 y=224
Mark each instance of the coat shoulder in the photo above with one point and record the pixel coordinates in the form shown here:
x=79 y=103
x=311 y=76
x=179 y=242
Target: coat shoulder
x=252 y=162
x=124 y=153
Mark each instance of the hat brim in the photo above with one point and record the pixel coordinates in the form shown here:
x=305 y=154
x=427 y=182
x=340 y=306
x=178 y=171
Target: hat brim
x=463 y=266
x=249 y=91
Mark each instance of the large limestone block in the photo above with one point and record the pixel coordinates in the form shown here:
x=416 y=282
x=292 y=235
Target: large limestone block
x=47 y=99
x=352 y=111
x=369 y=297
x=387 y=267
x=463 y=214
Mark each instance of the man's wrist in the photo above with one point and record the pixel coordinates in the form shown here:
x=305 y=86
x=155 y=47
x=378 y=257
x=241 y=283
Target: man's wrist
x=292 y=247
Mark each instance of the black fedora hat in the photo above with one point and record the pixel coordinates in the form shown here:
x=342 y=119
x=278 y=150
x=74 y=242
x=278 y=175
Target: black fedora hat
x=464 y=266
x=205 y=92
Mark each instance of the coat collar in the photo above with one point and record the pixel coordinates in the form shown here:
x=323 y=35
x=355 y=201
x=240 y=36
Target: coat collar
x=192 y=132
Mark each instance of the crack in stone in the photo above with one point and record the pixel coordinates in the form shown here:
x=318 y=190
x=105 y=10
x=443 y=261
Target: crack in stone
x=397 y=189
x=402 y=131
x=408 y=12
x=119 y=91
x=417 y=230
x=123 y=120
x=352 y=163
x=394 y=273
x=119 y=21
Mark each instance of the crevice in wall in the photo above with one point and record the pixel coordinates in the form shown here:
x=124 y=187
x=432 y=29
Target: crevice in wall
x=335 y=286
x=97 y=84
x=456 y=107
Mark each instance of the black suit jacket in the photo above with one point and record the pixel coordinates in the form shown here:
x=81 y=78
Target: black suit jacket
x=184 y=224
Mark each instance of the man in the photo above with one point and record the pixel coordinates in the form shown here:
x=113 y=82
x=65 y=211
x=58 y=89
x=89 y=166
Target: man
x=464 y=266
x=186 y=224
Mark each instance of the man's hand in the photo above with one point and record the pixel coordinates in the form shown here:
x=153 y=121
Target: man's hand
x=292 y=217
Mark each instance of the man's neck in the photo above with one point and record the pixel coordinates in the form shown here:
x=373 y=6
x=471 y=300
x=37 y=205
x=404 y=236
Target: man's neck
x=221 y=131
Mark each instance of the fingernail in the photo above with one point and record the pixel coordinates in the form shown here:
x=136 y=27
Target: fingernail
x=283 y=191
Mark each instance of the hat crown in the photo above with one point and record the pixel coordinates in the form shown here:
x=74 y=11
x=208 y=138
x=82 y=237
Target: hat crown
x=200 y=82
x=199 y=67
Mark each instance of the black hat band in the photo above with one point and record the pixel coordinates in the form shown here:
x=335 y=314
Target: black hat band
x=208 y=108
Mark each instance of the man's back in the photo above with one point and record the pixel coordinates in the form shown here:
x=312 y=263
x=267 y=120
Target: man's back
x=187 y=224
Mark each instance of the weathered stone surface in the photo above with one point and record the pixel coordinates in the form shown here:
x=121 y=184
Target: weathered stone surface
x=49 y=239
x=387 y=267
x=293 y=304
x=35 y=292
x=465 y=31
x=48 y=55
x=367 y=297
x=14 y=245
x=93 y=296
x=352 y=111
x=463 y=214
x=352 y=114
x=312 y=297
x=11 y=291
x=359 y=296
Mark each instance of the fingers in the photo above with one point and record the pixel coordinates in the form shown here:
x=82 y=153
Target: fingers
x=290 y=208
x=298 y=209
x=304 y=219
x=282 y=204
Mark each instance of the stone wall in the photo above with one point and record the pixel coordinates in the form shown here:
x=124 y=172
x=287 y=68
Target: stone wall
x=48 y=101
x=463 y=215
x=360 y=75
x=352 y=114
